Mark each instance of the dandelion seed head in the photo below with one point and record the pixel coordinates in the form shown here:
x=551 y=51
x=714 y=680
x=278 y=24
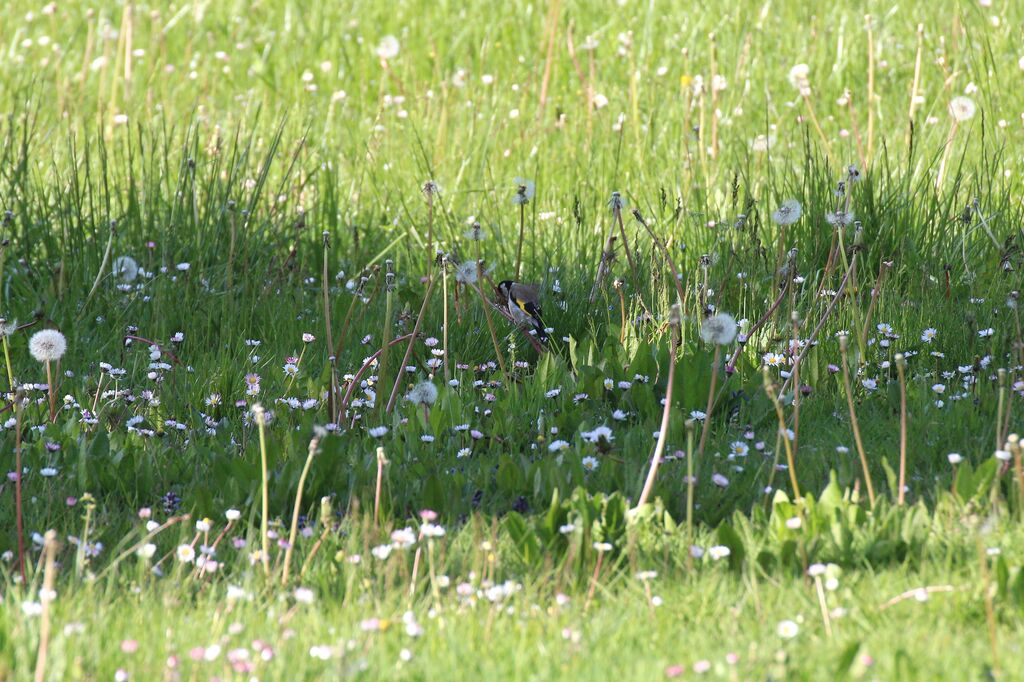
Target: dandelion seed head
x=788 y=212
x=467 y=272
x=423 y=393
x=962 y=109
x=47 y=345
x=719 y=329
x=388 y=47
x=125 y=269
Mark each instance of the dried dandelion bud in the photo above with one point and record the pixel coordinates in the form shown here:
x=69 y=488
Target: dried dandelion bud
x=326 y=511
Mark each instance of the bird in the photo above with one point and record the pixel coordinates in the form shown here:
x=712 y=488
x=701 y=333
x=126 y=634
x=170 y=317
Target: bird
x=522 y=302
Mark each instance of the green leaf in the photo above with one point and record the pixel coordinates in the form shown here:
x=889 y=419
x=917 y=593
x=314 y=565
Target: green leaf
x=510 y=477
x=846 y=660
x=523 y=537
x=728 y=537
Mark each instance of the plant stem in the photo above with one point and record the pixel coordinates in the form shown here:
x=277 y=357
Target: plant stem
x=769 y=388
x=7 y=360
x=314 y=443
x=382 y=461
x=706 y=428
x=853 y=421
x=261 y=423
x=1000 y=408
x=519 y=243
x=19 y=408
x=490 y=323
x=665 y=414
x=52 y=392
x=593 y=580
x=325 y=283
x=408 y=348
x=901 y=368
x=625 y=244
x=444 y=321
x=690 y=484
x=46 y=595
x=990 y=614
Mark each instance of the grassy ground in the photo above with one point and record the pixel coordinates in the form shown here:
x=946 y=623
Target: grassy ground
x=248 y=214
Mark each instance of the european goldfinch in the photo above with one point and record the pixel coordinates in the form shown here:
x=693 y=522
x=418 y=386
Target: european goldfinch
x=522 y=302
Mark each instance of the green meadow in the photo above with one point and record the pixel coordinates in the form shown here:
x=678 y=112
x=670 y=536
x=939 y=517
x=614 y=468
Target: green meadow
x=270 y=409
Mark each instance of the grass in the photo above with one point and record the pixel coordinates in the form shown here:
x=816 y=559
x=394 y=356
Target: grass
x=252 y=220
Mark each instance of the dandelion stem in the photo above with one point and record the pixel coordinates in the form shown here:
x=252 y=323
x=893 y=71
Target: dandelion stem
x=490 y=322
x=19 y=409
x=362 y=370
x=761 y=322
x=769 y=388
x=665 y=414
x=430 y=231
x=714 y=94
x=593 y=581
x=382 y=461
x=622 y=311
x=676 y=277
x=817 y=126
x=823 y=605
x=415 y=570
x=103 y=268
x=313 y=552
x=1001 y=406
x=945 y=155
x=854 y=423
x=46 y=595
x=901 y=369
x=1013 y=445
x=706 y=428
x=444 y=319
x=916 y=86
x=796 y=382
x=876 y=293
x=617 y=209
x=519 y=243
x=325 y=284
x=871 y=86
x=690 y=485
x=261 y=423
x=809 y=343
x=990 y=614
x=314 y=443
x=7 y=361
x=408 y=348
x=551 y=30
x=604 y=265
x=232 y=230
x=146 y=538
x=52 y=392
x=384 y=366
